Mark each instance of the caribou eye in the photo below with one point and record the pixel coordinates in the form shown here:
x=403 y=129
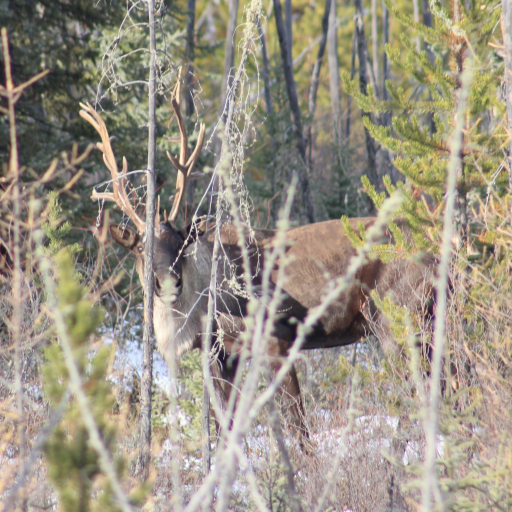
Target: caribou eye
x=140 y=248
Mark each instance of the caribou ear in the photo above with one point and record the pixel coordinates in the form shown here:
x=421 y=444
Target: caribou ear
x=124 y=236
x=193 y=231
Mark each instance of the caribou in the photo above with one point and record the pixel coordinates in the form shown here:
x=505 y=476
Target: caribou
x=315 y=255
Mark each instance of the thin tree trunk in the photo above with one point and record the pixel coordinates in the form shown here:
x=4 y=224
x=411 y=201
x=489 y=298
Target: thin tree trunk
x=189 y=51
x=189 y=77
x=266 y=73
x=462 y=188
x=506 y=6
x=288 y=22
x=416 y=11
x=427 y=21
x=385 y=61
x=371 y=149
x=295 y=112
x=142 y=463
x=387 y=166
x=315 y=77
x=229 y=56
x=189 y=95
x=334 y=73
x=229 y=60
x=352 y=73
x=318 y=62
x=375 y=42
x=274 y=204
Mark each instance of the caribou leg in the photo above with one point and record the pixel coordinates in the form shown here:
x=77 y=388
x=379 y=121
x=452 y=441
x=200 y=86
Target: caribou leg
x=223 y=372
x=289 y=393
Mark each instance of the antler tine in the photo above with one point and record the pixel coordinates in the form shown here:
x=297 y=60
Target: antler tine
x=119 y=196
x=184 y=164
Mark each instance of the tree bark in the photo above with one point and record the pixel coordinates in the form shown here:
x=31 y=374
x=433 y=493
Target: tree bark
x=375 y=42
x=352 y=73
x=189 y=77
x=387 y=166
x=274 y=204
x=426 y=14
x=385 y=62
x=266 y=73
x=189 y=52
x=506 y=6
x=288 y=22
x=334 y=73
x=315 y=77
x=427 y=21
x=318 y=62
x=416 y=11
x=291 y=89
x=229 y=60
x=142 y=464
x=371 y=149
x=189 y=96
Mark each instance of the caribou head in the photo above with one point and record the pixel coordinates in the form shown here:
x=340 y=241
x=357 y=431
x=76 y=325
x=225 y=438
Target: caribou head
x=170 y=243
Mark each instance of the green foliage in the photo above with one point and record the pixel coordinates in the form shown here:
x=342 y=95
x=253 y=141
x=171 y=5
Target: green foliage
x=273 y=484
x=55 y=229
x=397 y=245
x=72 y=463
x=423 y=109
x=423 y=103
x=341 y=196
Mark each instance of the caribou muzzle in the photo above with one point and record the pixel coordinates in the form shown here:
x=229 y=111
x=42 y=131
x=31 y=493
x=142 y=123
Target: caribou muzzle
x=168 y=285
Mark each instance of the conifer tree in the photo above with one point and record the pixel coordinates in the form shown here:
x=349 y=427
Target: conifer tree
x=420 y=154
x=477 y=326
x=73 y=464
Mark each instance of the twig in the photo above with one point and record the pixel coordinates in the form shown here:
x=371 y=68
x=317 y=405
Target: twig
x=430 y=484
x=75 y=381
x=352 y=413
x=141 y=469
x=42 y=436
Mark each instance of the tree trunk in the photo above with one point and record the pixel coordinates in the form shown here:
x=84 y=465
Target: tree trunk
x=189 y=96
x=315 y=76
x=506 y=6
x=318 y=62
x=288 y=22
x=189 y=52
x=334 y=73
x=385 y=62
x=387 y=166
x=375 y=43
x=229 y=60
x=416 y=12
x=459 y=50
x=273 y=203
x=352 y=73
x=189 y=77
x=291 y=89
x=371 y=149
x=229 y=56
x=427 y=21
x=142 y=464
x=266 y=73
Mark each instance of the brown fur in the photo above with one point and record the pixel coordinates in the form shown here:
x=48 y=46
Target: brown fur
x=315 y=255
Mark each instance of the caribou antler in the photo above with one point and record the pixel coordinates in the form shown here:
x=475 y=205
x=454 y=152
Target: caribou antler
x=184 y=164
x=118 y=179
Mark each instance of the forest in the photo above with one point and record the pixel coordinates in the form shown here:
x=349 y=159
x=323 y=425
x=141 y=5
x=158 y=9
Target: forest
x=254 y=255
